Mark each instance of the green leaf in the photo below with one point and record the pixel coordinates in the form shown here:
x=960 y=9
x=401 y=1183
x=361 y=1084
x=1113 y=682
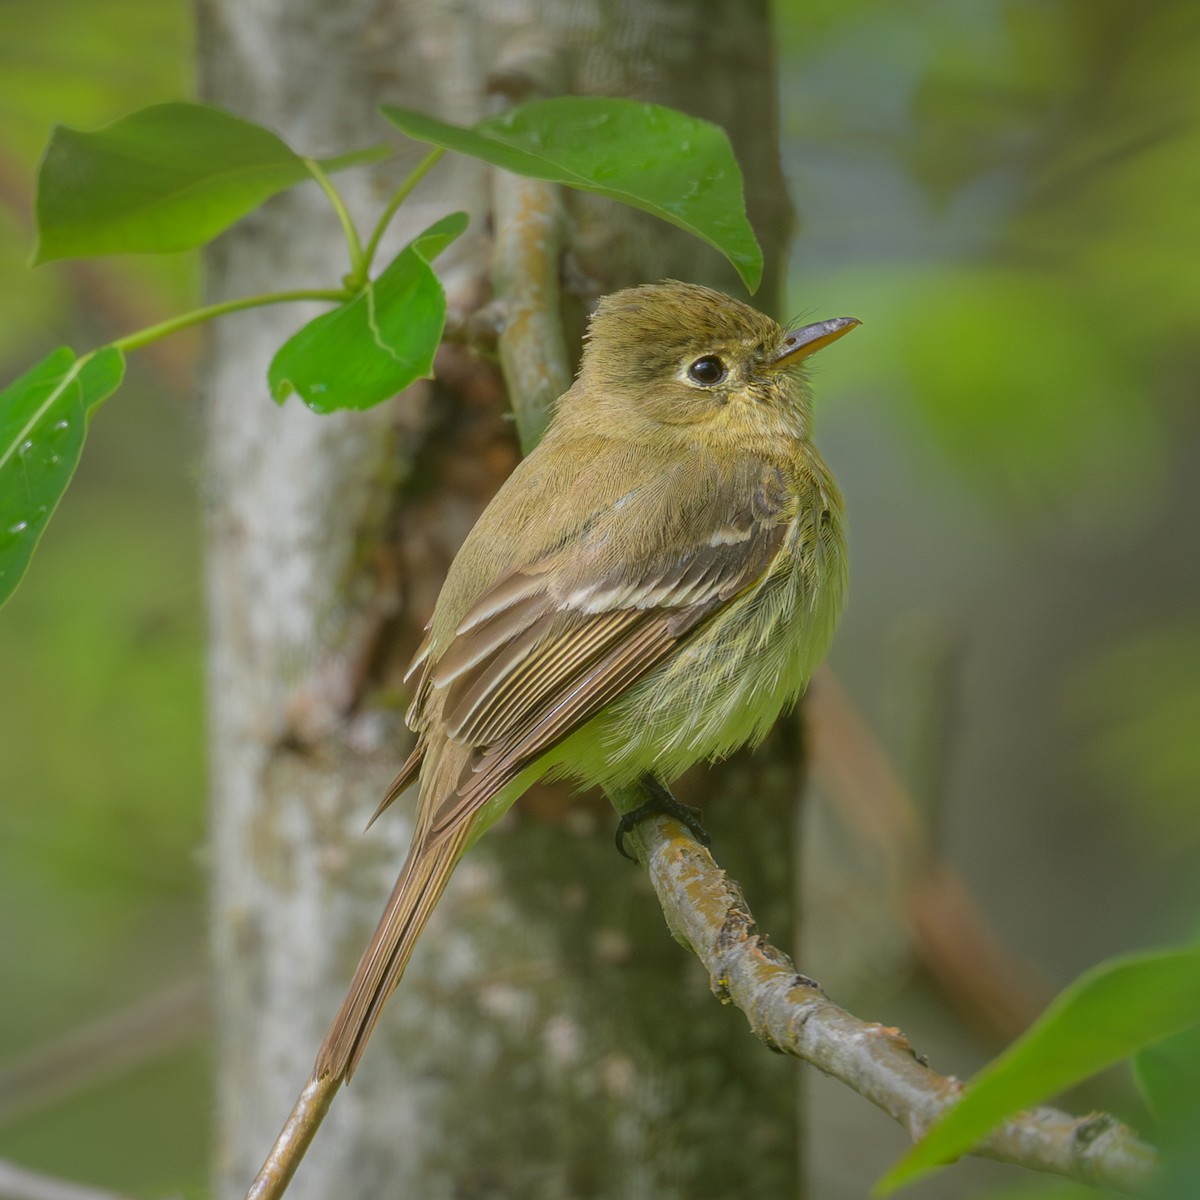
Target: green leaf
x=1105 y=1016
x=365 y=351
x=169 y=177
x=43 y=419
x=677 y=167
x=1168 y=1074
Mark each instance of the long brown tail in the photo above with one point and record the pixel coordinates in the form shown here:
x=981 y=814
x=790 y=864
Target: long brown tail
x=422 y=879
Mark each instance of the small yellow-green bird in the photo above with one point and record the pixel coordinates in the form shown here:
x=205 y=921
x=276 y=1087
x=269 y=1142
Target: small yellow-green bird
x=650 y=587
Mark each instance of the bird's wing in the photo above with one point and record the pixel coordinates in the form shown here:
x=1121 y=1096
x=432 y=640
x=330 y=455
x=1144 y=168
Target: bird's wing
x=549 y=645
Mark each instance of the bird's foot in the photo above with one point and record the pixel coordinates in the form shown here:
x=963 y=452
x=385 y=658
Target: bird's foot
x=659 y=801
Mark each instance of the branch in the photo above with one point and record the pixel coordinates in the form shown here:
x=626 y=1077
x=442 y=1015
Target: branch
x=790 y=1014
x=527 y=260
x=295 y=1137
x=525 y=267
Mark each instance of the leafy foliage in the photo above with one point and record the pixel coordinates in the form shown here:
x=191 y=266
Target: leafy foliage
x=653 y=158
x=377 y=344
x=169 y=177
x=1105 y=1017
x=43 y=420
x=173 y=176
x=1169 y=1076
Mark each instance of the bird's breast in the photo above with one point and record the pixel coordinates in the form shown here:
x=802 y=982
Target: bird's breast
x=729 y=681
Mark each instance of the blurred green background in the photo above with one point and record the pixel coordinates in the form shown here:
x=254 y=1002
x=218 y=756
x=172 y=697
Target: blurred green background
x=1006 y=193
x=101 y=708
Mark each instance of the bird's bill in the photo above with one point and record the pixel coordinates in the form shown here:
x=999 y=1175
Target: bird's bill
x=800 y=343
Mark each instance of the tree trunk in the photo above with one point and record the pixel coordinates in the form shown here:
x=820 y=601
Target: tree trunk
x=548 y=1040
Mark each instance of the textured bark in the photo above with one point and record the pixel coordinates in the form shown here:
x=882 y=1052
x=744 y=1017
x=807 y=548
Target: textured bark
x=548 y=1040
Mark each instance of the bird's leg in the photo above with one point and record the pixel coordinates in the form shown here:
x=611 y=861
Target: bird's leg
x=659 y=800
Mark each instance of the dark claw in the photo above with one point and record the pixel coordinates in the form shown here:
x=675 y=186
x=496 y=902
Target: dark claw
x=659 y=801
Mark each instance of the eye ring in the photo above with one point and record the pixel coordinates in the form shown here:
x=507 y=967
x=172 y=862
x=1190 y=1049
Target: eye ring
x=707 y=371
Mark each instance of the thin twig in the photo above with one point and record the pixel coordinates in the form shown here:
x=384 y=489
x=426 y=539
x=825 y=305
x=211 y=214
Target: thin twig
x=791 y=1014
x=294 y=1138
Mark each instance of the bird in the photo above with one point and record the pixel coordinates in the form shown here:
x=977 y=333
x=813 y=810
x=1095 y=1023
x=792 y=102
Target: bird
x=651 y=587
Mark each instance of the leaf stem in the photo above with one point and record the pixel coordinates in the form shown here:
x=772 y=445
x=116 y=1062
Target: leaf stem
x=143 y=337
x=402 y=193
x=358 y=265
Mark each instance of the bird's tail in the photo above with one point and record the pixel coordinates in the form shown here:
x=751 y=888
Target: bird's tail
x=422 y=880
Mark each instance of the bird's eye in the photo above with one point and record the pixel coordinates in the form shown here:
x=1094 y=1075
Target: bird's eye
x=707 y=371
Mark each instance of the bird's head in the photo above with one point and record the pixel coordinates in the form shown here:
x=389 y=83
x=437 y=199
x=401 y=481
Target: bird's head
x=680 y=355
